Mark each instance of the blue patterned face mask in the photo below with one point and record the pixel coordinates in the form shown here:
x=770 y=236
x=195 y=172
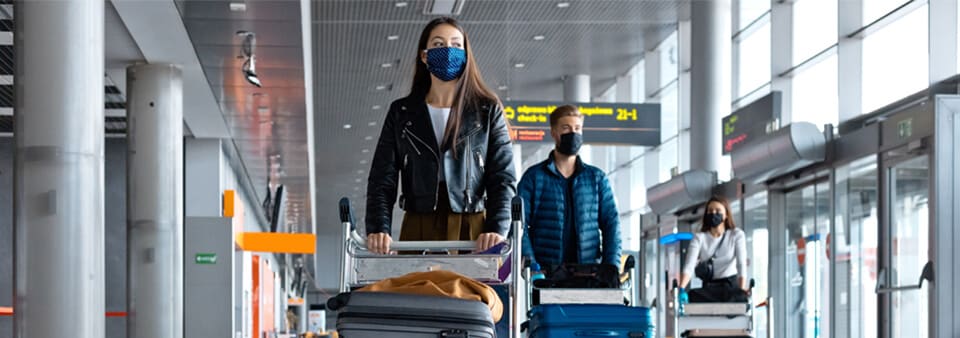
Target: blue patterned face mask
x=446 y=63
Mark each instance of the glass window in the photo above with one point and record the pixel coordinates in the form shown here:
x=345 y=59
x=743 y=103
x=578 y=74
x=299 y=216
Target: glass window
x=756 y=227
x=753 y=96
x=815 y=94
x=910 y=245
x=875 y=9
x=814 y=27
x=638 y=190
x=856 y=239
x=807 y=221
x=669 y=59
x=895 y=60
x=668 y=158
x=750 y=10
x=669 y=112
x=637 y=80
x=754 y=59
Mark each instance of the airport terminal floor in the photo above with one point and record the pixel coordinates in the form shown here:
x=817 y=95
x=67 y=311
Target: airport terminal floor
x=479 y=168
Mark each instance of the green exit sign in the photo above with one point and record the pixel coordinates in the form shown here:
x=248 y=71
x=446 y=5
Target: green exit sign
x=205 y=258
x=905 y=128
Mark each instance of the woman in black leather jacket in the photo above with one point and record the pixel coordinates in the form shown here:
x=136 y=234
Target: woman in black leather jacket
x=448 y=146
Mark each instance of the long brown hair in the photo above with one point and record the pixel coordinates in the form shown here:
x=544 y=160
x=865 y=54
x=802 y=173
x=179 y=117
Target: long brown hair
x=727 y=217
x=471 y=93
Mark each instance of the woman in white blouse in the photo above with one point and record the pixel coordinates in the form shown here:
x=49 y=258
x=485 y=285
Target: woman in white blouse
x=720 y=239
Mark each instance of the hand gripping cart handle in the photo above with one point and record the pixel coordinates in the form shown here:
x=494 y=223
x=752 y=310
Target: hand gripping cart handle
x=358 y=266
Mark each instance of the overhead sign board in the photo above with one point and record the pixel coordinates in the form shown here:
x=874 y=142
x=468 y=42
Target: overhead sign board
x=604 y=123
x=750 y=122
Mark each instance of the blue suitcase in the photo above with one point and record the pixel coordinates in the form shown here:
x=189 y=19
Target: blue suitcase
x=590 y=320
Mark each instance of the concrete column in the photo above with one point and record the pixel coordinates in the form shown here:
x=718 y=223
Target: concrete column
x=155 y=201
x=710 y=80
x=58 y=180
x=576 y=88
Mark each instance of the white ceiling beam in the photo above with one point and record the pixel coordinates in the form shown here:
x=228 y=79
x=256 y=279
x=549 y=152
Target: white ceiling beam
x=158 y=30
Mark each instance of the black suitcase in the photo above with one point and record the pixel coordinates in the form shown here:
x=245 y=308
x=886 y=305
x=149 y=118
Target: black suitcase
x=394 y=315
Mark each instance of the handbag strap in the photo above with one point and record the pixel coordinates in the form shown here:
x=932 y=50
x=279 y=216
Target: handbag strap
x=719 y=244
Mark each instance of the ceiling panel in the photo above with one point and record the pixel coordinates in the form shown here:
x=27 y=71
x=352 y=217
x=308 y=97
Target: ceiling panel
x=275 y=33
x=268 y=124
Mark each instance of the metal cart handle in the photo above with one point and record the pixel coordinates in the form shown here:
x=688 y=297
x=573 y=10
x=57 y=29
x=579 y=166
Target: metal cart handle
x=346 y=217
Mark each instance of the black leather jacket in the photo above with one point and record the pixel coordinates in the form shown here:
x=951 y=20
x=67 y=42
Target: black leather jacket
x=481 y=175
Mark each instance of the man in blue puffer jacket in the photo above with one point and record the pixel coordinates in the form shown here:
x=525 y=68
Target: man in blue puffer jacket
x=570 y=214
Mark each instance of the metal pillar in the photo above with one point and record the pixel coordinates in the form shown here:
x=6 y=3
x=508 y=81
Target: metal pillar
x=58 y=184
x=710 y=80
x=576 y=88
x=154 y=201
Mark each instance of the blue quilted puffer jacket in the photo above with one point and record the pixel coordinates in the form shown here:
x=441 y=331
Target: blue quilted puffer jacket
x=596 y=220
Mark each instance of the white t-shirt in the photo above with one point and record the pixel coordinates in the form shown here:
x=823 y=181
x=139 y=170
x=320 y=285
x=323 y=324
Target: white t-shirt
x=439 y=118
x=731 y=258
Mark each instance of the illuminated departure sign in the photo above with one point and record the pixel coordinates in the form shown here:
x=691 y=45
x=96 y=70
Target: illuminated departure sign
x=604 y=123
x=750 y=122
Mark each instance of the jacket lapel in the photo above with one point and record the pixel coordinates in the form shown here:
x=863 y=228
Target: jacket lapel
x=420 y=124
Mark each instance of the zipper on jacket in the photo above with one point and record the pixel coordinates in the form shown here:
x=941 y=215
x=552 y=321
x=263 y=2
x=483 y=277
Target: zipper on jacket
x=466 y=182
x=436 y=191
x=407 y=132
x=479 y=159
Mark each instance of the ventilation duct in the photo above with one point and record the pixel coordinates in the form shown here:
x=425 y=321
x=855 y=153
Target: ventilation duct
x=793 y=147
x=682 y=191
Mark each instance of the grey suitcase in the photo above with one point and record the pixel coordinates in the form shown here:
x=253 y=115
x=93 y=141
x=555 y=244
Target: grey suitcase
x=382 y=315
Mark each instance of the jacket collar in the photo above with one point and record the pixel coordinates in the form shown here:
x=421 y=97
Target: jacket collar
x=420 y=120
x=551 y=166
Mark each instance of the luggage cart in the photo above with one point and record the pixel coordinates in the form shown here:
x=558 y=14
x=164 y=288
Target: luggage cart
x=712 y=319
x=624 y=295
x=359 y=267
x=591 y=312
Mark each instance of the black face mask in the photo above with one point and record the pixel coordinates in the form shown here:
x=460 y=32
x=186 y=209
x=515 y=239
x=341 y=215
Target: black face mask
x=714 y=220
x=570 y=143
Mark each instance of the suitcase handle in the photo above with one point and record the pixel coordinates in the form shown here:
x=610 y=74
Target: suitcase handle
x=596 y=333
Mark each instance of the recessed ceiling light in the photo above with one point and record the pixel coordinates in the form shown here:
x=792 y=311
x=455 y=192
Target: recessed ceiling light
x=563 y=4
x=502 y=88
x=365 y=151
x=356 y=188
x=386 y=65
x=538 y=37
x=393 y=37
x=360 y=171
x=519 y=65
x=347 y=126
x=368 y=138
x=384 y=87
x=376 y=107
x=401 y=4
x=372 y=123
x=238 y=7
x=359 y=180
x=363 y=161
